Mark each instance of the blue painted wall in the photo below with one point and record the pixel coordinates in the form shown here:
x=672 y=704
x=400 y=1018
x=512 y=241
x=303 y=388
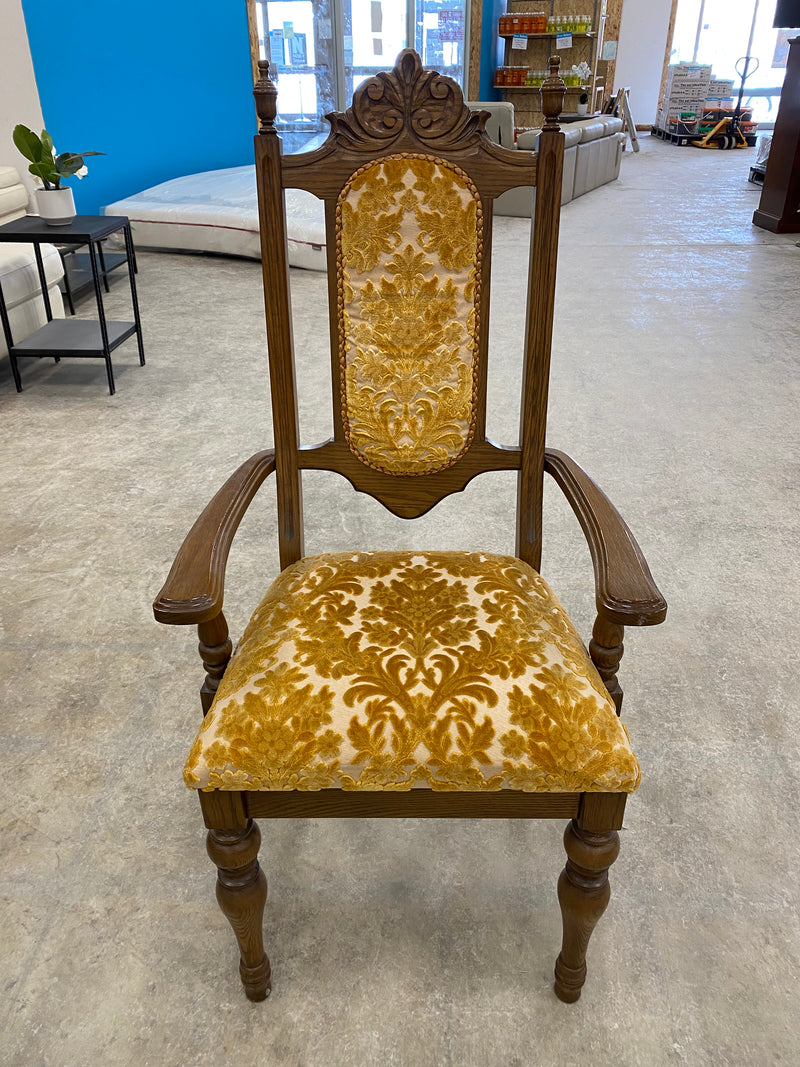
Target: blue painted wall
x=164 y=89
x=491 y=47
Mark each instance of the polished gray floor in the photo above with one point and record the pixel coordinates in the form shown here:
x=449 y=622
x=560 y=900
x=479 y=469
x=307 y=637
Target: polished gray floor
x=675 y=383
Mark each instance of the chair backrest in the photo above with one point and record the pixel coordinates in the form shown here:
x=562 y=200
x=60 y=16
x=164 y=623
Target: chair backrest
x=408 y=178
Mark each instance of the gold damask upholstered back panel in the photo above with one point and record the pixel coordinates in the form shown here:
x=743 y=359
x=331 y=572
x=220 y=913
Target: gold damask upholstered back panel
x=409 y=246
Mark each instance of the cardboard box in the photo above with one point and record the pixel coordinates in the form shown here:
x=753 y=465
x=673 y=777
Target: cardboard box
x=720 y=87
x=683 y=73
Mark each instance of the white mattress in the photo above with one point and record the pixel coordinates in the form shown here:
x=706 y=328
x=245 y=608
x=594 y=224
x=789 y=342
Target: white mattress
x=217 y=211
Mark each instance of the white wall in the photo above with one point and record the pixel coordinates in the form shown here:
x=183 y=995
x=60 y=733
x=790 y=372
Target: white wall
x=19 y=97
x=640 y=54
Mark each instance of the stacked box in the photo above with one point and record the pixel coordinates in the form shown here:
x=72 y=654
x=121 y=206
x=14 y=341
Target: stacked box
x=686 y=89
x=718 y=87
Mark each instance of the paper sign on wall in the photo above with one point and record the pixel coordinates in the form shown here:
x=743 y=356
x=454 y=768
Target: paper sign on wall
x=609 y=50
x=519 y=40
x=451 y=24
x=563 y=40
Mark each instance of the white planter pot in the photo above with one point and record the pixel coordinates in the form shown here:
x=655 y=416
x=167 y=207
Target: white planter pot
x=56 y=206
x=583 y=109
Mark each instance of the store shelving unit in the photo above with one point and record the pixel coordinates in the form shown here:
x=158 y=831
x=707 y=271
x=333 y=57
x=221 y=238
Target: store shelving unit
x=586 y=47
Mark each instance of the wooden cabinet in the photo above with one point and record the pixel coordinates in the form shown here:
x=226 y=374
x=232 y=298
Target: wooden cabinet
x=586 y=47
x=779 y=209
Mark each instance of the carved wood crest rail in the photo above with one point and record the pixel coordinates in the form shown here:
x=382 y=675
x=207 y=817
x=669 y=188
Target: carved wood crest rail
x=408 y=99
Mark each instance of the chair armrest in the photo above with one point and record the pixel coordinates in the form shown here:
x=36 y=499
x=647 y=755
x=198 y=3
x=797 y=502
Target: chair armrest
x=625 y=592
x=194 y=587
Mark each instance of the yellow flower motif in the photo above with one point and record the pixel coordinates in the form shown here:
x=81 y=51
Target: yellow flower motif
x=514 y=744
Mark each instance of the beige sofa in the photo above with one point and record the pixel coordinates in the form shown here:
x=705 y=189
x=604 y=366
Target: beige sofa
x=19 y=277
x=592 y=153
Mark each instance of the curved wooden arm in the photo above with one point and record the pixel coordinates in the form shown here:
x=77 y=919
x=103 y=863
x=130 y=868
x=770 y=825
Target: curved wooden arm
x=193 y=590
x=624 y=588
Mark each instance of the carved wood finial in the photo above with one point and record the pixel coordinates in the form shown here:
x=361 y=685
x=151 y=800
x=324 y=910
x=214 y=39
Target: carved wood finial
x=265 y=93
x=553 y=89
x=408 y=100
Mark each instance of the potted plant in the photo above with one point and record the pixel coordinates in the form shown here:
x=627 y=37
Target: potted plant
x=582 y=74
x=55 y=201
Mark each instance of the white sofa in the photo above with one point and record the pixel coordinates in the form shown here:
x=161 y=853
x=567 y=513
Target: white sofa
x=18 y=274
x=592 y=152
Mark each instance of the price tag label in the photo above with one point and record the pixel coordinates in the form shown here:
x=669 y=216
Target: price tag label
x=519 y=40
x=563 y=40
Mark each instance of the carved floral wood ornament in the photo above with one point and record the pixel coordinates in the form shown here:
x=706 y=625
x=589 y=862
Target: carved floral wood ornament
x=405 y=99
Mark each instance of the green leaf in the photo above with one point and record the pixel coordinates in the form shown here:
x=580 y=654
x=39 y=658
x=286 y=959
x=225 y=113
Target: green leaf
x=68 y=163
x=45 y=172
x=27 y=143
x=47 y=143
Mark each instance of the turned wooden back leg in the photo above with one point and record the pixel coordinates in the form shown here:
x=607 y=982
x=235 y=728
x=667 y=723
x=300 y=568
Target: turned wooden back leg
x=592 y=845
x=242 y=894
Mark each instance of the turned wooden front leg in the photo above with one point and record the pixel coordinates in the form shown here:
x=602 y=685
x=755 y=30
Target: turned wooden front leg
x=583 y=894
x=242 y=893
x=606 y=650
x=215 y=650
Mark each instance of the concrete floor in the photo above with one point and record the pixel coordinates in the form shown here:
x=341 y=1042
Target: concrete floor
x=417 y=943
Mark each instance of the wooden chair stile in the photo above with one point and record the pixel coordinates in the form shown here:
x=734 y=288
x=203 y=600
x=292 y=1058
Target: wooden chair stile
x=410 y=118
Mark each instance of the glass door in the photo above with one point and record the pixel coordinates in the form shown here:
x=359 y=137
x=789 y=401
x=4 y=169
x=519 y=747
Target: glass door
x=718 y=32
x=322 y=50
x=440 y=36
x=298 y=38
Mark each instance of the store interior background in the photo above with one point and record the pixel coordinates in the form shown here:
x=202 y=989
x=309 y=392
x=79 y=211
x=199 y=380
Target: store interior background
x=176 y=81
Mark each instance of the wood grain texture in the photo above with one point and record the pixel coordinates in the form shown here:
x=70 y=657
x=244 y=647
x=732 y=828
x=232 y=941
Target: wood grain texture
x=608 y=67
x=414 y=804
x=606 y=649
x=409 y=496
x=215 y=648
x=242 y=894
x=193 y=591
x=624 y=588
x=539 y=323
x=583 y=893
x=474 y=60
x=278 y=313
x=252 y=33
x=779 y=207
x=667 y=50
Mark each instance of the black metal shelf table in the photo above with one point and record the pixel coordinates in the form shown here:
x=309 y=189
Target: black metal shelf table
x=77 y=279
x=82 y=338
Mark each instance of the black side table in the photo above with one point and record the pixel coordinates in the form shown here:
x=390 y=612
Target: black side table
x=77 y=278
x=73 y=337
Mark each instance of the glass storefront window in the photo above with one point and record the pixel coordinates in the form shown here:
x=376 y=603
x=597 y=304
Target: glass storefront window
x=322 y=50
x=718 y=31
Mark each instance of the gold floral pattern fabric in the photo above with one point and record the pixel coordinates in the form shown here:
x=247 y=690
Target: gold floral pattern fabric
x=400 y=670
x=409 y=231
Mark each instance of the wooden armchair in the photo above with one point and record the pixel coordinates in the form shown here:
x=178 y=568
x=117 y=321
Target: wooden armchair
x=421 y=684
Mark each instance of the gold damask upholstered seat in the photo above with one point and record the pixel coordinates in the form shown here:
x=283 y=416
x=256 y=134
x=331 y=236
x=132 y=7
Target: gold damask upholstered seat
x=436 y=684
x=395 y=670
